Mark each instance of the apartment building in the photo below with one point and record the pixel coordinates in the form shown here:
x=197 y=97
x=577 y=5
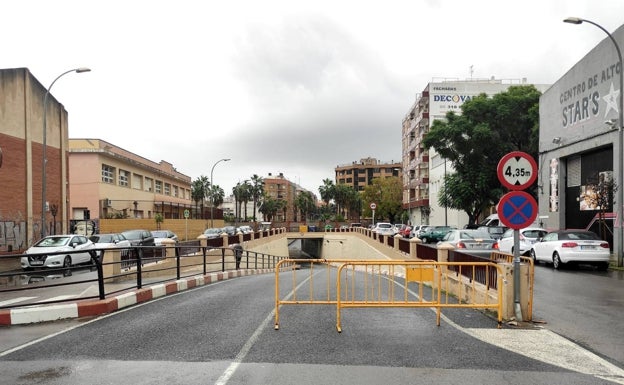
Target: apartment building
x=424 y=170
x=359 y=174
x=110 y=182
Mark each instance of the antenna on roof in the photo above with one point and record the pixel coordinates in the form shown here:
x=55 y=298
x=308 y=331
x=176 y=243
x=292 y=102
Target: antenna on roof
x=471 y=70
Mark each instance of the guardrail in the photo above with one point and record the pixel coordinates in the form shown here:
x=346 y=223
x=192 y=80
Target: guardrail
x=366 y=283
x=134 y=270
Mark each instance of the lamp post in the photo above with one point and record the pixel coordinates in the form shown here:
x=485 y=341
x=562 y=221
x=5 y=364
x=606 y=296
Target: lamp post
x=620 y=198
x=45 y=160
x=211 y=187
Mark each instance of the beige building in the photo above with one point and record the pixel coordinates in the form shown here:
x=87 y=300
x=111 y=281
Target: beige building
x=361 y=174
x=111 y=182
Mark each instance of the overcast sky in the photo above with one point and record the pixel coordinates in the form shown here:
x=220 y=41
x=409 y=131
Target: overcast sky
x=296 y=87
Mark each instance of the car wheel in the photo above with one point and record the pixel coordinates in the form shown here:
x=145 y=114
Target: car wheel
x=535 y=261
x=67 y=262
x=557 y=264
x=425 y=240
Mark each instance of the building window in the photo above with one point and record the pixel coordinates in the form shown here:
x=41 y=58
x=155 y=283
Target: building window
x=158 y=187
x=175 y=191
x=123 y=178
x=137 y=181
x=108 y=174
x=167 y=189
x=149 y=184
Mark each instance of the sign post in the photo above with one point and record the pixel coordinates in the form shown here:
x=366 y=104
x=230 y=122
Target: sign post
x=186 y=217
x=373 y=206
x=517 y=209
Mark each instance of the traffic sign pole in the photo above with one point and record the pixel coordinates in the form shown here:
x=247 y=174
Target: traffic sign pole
x=517 y=171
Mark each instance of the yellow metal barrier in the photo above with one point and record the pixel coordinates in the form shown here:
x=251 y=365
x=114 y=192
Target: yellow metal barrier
x=367 y=283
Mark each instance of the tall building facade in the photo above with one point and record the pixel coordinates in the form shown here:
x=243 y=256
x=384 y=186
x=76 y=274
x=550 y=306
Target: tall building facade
x=26 y=208
x=424 y=169
x=359 y=174
x=579 y=145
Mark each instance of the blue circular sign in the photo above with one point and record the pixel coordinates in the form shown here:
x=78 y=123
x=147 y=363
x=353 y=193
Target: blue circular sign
x=517 y=209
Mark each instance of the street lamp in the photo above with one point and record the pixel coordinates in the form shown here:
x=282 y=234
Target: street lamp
x=211 y=187
x=45 y=160
x=620 y=199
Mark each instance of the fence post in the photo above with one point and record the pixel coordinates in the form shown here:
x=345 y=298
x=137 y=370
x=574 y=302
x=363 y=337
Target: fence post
x=413 y=247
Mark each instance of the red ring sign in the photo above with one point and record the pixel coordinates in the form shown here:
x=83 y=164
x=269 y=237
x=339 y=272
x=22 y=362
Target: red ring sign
x=517 y=170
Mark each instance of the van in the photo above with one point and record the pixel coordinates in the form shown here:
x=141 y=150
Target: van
x=490 y=220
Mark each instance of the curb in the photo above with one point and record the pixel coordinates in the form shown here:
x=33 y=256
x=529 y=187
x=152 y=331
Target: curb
x=55 y=312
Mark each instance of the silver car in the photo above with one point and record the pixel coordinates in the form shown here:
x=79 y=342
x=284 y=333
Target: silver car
x=475 y=242
x=74 y=250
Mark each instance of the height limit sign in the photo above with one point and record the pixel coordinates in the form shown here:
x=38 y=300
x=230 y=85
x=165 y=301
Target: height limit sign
x=517 y=170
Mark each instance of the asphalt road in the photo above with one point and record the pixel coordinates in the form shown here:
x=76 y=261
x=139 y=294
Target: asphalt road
x=584 y=305
x=223 y=334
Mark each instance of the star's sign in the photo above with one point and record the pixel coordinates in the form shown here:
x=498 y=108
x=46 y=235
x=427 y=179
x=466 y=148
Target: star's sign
x=612 y=100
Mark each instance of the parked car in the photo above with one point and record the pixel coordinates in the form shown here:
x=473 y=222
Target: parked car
x=405 y=230
x=415 y=230
x=526 y=237
x=161 y=235
x=229 y=230
x=141 y=238
x=496 y=232
x=107 y=241
x=213 y=232
x=572 y=246
x=245 y=229
x=384 y=228
x=475 y=242
x=433 y=233
x=78 y=247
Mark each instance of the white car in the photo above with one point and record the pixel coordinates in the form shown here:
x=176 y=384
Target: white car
x=384 y=228
x=107 y=241
x=566 y=246
x=74 y=249
x=527 y=237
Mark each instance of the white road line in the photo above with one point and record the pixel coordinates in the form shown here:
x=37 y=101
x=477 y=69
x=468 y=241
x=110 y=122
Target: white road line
x=58 y=298
x=229 y=372
x=15 y=300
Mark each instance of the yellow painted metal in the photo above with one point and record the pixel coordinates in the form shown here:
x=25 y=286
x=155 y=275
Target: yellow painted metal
x=419 y=274
x=373 y=275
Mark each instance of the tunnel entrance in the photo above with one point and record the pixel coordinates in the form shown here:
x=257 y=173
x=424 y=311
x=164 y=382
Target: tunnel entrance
x=305 y=248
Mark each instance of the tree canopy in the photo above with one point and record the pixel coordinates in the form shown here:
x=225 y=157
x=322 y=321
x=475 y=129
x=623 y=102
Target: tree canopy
x=387 y=194
x=475 y=141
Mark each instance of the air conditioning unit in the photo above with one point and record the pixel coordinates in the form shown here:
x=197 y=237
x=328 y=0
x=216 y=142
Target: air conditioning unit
x=107 y=203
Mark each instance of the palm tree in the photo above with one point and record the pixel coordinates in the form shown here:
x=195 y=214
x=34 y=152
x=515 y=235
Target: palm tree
x=245 y=197
x=304 y=203
x=268 y=207
x=257 y=191
x=200 y=191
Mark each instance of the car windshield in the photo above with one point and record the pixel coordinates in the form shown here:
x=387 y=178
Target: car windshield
x=133 y=234
x=384 y=225
x=212 y=231
x=102 y=238
x=579 y=235
x=53 y=241
x=159 y=234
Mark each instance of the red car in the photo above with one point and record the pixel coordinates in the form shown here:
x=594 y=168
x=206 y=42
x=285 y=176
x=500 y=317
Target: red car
x=404 y=230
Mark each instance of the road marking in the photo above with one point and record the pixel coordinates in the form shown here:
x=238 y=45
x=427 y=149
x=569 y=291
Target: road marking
x=15 y=300
x=231 y=369
x=58 y=298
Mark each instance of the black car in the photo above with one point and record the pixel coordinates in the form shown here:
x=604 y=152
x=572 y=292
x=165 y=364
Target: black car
x=141 y=238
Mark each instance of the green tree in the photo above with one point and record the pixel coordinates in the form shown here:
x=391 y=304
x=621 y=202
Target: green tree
x=200 y=191
x=387 y=194
x=269 y=207
x=241 y=196
x=475 y=141
x=216 y=195
x=257 y=191
x=304 y=202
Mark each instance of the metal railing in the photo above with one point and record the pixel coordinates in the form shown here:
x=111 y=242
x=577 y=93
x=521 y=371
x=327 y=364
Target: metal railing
x=139 y=266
